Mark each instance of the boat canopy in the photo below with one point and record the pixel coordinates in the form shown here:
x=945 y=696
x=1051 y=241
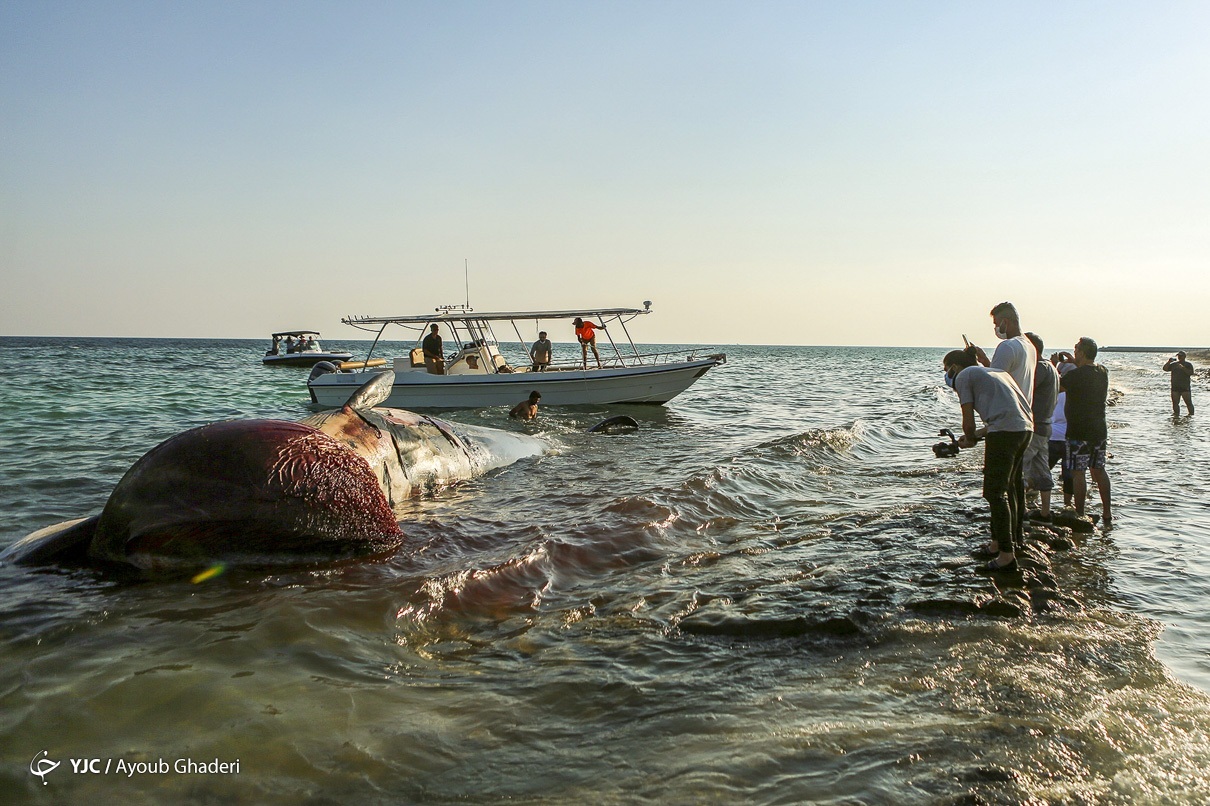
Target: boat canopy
x=295 y=333
x=462 y=314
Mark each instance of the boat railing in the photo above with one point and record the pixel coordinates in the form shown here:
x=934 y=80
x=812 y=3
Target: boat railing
x=565 y=363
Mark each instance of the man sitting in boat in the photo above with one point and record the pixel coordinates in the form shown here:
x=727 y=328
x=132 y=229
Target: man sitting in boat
x=586 y=333
x=434 y=355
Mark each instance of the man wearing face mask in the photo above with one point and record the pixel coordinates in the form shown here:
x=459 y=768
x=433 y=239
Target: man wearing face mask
x=1015 y=354
x=1008 y=425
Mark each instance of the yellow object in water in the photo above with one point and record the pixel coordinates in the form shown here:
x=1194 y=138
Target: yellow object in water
x=209 y=573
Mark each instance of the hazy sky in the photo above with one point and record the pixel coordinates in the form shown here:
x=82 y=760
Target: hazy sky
x=764 y=172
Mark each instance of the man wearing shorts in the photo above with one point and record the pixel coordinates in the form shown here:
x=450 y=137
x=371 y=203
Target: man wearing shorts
x=1087 y=388
x=586 y=333
x=1037 y=455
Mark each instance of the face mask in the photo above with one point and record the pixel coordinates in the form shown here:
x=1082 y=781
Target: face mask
x=1001 y=333
x=949 y=380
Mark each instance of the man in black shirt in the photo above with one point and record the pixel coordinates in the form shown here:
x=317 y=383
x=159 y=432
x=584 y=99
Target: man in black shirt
x=1181 y=372
x=1087 y=388
x=434 y=355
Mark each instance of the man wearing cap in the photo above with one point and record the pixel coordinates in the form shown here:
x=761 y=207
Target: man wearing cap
x=586 y=333
x=1181 y=372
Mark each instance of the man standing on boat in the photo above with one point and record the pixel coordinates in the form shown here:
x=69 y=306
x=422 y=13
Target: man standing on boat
x=434 y=355
x=541 y=352
x=586 y=333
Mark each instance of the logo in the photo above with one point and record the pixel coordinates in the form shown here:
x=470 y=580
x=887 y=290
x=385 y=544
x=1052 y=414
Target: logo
x=42 y=767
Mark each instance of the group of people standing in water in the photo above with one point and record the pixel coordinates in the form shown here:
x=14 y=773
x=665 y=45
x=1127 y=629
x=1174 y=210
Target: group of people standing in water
x=1035 y=412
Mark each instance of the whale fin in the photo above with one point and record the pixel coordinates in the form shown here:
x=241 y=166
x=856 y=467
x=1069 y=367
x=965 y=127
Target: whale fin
x=615 y=425
x=63 y=542
x=372 y=393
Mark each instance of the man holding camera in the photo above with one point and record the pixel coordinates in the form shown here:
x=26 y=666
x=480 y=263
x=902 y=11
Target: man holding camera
x=1008 y=425
x=1181 y=373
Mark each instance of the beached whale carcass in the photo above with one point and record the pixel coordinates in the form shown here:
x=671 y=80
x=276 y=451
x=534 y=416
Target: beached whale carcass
x=274 y=491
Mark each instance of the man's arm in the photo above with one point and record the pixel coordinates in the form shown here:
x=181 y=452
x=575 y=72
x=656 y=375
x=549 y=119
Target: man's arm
x=969 y=434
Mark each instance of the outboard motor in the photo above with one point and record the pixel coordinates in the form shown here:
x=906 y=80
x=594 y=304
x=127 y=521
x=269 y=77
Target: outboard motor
x=322 y=368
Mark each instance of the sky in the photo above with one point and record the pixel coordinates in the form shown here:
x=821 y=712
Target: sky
x=838 y=173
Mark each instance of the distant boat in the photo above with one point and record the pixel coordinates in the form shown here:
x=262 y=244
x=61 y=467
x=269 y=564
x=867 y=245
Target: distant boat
x=476 y=374
x=299 y=348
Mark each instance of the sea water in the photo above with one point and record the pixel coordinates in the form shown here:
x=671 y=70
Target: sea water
x=766 y=594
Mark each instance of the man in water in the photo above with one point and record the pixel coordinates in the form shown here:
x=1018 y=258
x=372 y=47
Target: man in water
x=1087 y=388
x=541 y=352
x=586 y=333
x=1015 y=354
x=526 y=409
x=434 y=354
x=1008 y=426
x=1037 y=462
x=1181 y=373
x=1062 y=362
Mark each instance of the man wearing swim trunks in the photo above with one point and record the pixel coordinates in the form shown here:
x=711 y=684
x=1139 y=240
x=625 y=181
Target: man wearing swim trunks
x=1181 y=372
x=586 y=333
x=1087 y=388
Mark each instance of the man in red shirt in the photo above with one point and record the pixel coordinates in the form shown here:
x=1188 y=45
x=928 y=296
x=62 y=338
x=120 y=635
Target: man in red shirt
x=586 y=333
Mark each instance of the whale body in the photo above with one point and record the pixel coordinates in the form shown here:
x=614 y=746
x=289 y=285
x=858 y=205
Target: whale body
x=273 y=491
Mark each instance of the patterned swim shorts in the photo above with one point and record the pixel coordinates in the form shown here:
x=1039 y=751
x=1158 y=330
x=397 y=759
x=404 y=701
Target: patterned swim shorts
x=1082 y=455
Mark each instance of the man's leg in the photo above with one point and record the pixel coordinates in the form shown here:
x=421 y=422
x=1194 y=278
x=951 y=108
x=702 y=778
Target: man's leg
x=1102 y=479
x=1176 y=403
x=1016 y=490
x=998 y=454
x=1096 y=468
x=1077 y=461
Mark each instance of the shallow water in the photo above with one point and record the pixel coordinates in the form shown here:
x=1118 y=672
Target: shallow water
x=765 y=595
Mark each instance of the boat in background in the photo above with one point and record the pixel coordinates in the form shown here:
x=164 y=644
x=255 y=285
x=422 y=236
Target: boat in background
x=305 y=352
x=477 y=374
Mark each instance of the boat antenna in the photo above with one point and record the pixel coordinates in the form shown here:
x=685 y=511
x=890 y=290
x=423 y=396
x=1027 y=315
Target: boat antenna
x=466 y=273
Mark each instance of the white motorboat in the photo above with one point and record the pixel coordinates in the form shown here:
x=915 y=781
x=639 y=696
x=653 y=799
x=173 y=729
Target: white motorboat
x=299 y=348
x=478 y=374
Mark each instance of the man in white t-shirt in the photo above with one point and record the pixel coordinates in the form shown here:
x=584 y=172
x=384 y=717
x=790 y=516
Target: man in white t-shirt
x=1015 y=354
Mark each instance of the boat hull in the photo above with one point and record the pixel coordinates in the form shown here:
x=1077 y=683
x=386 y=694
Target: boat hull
x=303 y=359
x=419 y=390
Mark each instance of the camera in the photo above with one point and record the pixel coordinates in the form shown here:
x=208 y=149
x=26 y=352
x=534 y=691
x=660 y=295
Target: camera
x=946 y=450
